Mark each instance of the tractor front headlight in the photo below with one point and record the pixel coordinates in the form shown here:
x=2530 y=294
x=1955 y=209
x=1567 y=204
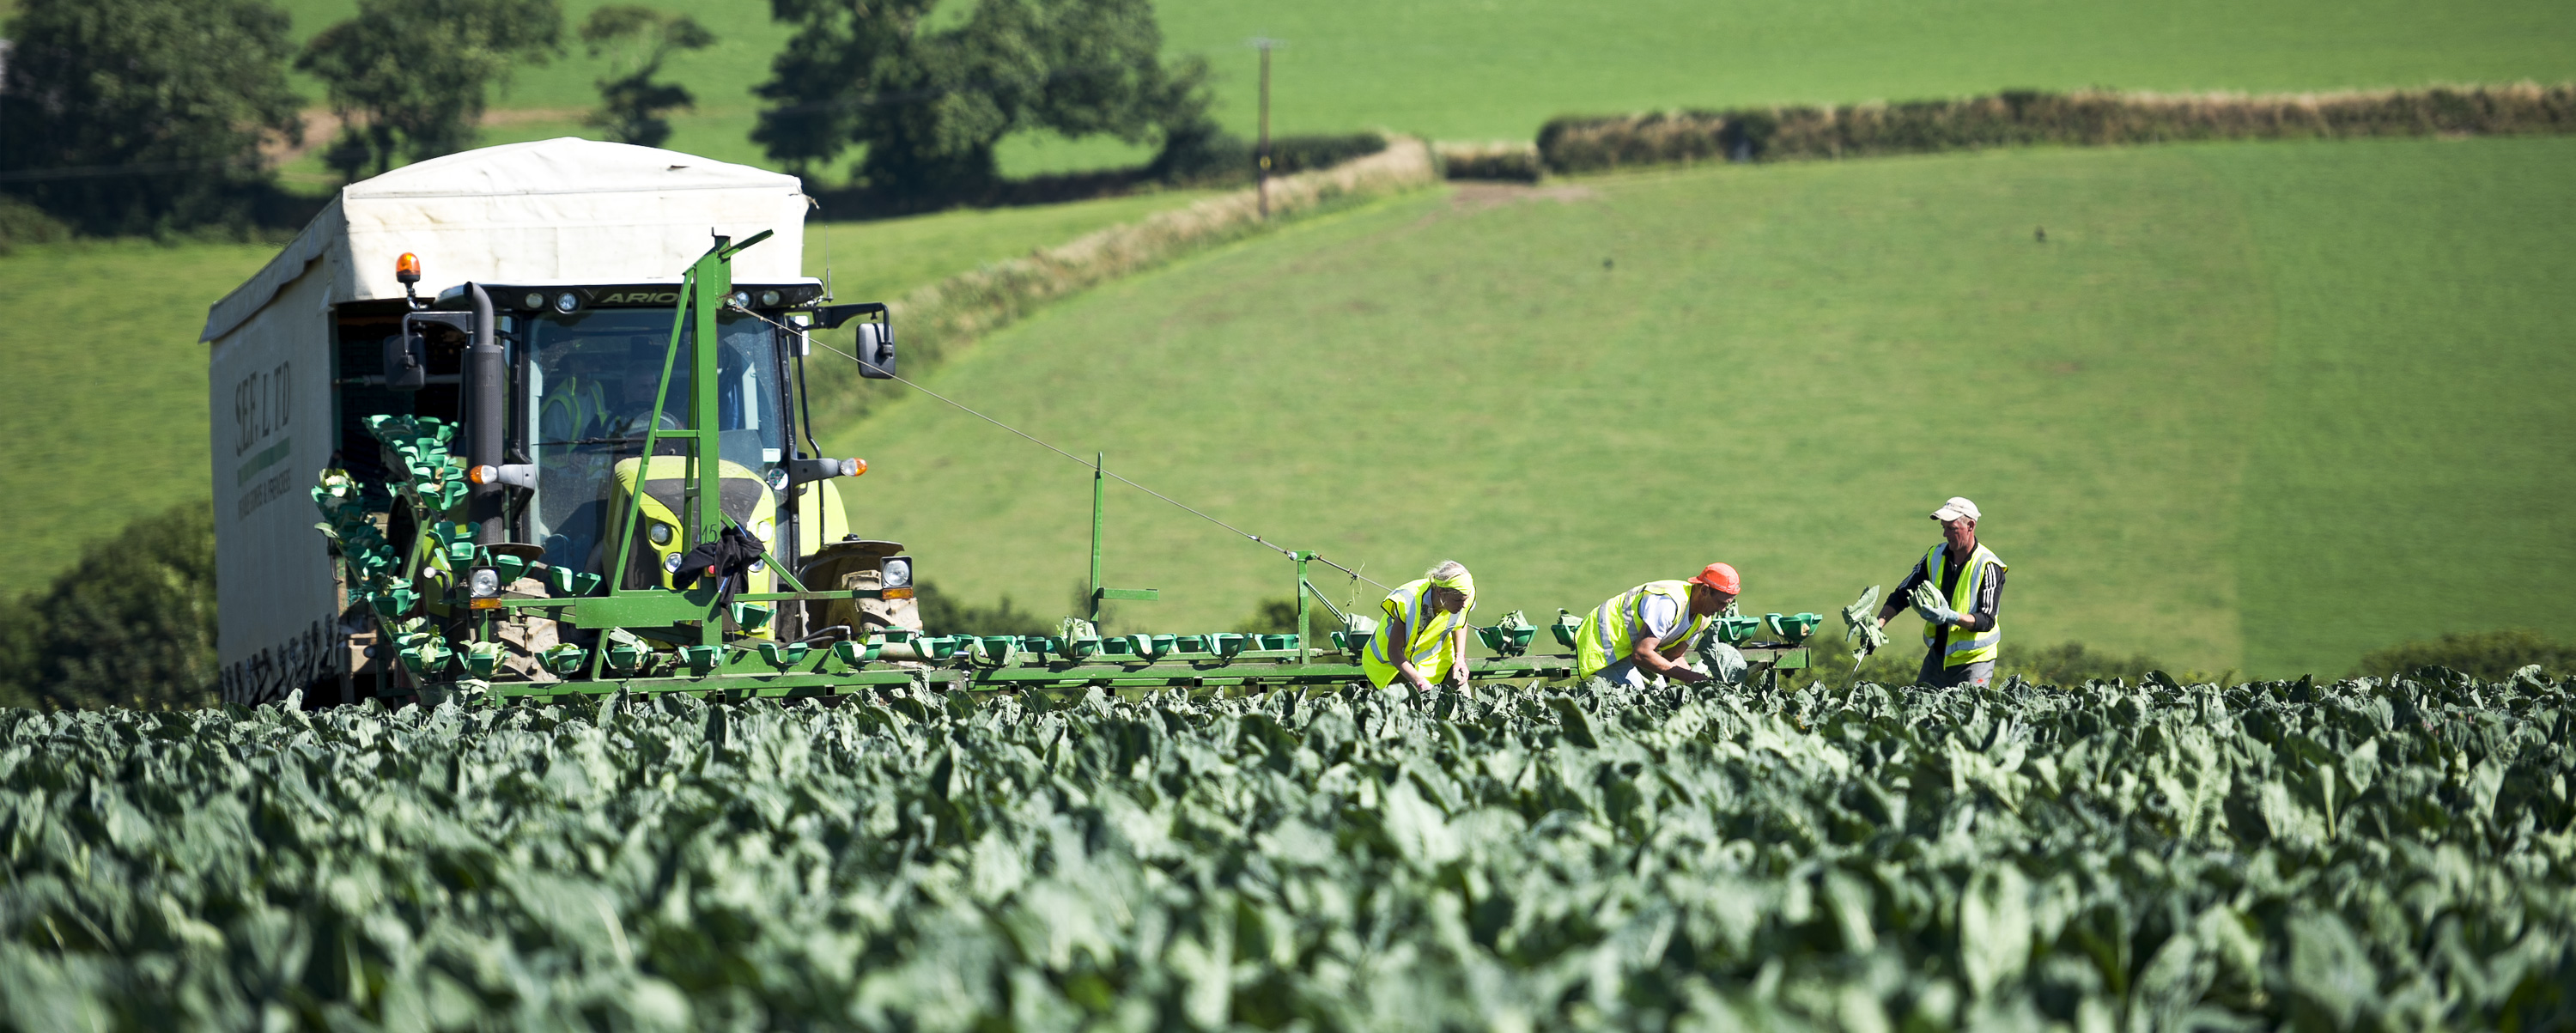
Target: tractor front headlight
x=763 y=528
x=483 y=582
x=671 y=563
x=898 y=572
x=660 y=533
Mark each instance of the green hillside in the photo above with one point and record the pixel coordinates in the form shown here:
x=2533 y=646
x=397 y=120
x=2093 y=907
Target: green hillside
x=2259 y=406
x=2238 y=280
x=109 y=418
x=2411 y=474
x=1495 y=69
x=111 y=421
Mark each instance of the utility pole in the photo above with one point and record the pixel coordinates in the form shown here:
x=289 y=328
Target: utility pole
x=1261 y=174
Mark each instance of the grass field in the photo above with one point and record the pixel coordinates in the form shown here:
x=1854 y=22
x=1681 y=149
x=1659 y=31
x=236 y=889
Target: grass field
x=108 y=421
x=1480 y=69
x=1495 y=69
x=880 y=260
x=111 y=417
x=2412 y=470
x=2250 y=406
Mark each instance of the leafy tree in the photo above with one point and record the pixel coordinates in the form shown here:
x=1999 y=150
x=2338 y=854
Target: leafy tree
x=408 y=78
x=145 y=115
x=1279 y=617
x=2068 y=663
x=132 y=624
x=20 y=628
x=631 y=103
x=23 y=223
x=929 y=104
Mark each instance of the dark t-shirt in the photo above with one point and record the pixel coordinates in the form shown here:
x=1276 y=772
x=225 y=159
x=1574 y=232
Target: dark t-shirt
x=1982 y=609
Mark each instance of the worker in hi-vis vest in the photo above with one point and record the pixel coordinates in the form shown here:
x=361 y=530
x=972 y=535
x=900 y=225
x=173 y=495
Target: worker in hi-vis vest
x=1640 y=635
x=1957 y=587
x=1423 y=638
x=572 y=411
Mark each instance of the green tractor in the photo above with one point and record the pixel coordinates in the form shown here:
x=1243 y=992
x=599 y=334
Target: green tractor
x=546 y=428
x=577 y=473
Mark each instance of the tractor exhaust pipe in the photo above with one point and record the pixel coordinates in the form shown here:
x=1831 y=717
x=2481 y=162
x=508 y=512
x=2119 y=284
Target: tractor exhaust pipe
x=487 y=418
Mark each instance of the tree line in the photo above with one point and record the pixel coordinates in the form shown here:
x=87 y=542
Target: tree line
x=152 y=116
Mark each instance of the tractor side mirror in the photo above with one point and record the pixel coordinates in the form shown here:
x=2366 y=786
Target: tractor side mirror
x=875 y=338
x=406 y=361
x=876 y=350
x=407 y=353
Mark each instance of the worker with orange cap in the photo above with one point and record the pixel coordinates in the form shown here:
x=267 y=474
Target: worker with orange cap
x=1640 y=635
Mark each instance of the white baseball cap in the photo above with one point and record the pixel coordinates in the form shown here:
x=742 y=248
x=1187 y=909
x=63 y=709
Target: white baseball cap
x=1954 y=509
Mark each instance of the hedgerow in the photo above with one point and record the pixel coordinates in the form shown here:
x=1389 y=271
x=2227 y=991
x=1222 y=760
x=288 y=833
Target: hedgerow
x=1511 y=162
x=2031 y=117
x=2353 y=856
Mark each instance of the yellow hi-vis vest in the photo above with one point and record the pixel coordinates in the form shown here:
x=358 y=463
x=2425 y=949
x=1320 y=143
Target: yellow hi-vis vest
x=1429 y=627
x=570 y=412
x=1603 y=639
x=1966 y=647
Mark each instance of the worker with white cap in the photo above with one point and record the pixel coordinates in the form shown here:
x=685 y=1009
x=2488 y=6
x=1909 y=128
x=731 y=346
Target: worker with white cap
x=1957 y=587
x=1639 y=635
x=1424 y=637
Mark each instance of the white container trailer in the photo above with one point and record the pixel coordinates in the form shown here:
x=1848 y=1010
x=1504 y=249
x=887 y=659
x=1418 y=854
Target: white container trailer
x=580 y=245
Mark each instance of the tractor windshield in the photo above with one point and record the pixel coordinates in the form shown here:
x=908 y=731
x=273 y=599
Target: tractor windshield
x=591 y=378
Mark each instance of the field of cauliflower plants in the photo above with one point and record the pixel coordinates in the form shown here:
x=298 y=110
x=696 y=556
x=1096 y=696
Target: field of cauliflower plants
x=2108 y=857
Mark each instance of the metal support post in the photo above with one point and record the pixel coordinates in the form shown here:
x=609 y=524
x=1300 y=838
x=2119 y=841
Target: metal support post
x=1303 y=643
x=1101 y=593
x=486 y=418
x=705 y=512
x=702 y=295
x=1097 y=478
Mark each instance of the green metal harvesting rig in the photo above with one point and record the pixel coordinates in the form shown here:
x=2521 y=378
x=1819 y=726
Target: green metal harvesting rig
x=573 y=474
x=694 y=593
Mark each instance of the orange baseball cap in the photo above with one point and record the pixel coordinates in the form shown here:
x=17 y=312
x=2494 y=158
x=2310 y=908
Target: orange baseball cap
x=1721 y=577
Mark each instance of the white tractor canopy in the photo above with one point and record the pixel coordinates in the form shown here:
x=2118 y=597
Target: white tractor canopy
x=566 y=210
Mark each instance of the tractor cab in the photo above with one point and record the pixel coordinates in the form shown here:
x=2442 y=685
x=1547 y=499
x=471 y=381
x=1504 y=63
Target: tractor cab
x=589 y=378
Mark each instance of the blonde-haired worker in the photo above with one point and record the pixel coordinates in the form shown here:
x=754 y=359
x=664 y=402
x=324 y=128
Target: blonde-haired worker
x=1423 y=639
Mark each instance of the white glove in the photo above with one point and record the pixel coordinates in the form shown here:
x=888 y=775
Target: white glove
x=1928 y=604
